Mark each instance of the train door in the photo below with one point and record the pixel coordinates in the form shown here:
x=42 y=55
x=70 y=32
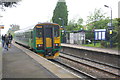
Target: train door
x=48 y=36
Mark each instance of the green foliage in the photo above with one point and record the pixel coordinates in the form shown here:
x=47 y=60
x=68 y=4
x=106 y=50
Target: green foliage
x=104 y=44
x=80 y=21
x=92 y=45
x=89 y=35
x=96 y=15
x=60 y=11
x=97 y=20
x=75 y=25
x=71 y=25
x=101 y=24
x=118 y=35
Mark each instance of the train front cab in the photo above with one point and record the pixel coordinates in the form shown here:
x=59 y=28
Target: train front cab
x=47 y=40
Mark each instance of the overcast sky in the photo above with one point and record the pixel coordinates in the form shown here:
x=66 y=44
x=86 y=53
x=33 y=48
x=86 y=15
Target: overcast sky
x=32 y=11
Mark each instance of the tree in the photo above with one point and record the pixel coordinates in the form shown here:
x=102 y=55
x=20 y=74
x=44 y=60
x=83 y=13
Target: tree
x=96 y=15
x=118 y=33
x=74 y=25
x=79 y=24
x=97 y=20
x=80 y=21
x=8 y=3
x=71 y=25
x=60 y=11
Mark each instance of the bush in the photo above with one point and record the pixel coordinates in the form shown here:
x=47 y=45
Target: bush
x=89 y=35
x=104 y=44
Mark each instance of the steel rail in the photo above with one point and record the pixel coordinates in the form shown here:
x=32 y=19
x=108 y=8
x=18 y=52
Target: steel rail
x=89 y=66
x=112 y=66
x=76 y=70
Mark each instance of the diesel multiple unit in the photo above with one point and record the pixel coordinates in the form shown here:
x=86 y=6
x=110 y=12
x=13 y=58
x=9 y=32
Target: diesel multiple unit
x=43 y=38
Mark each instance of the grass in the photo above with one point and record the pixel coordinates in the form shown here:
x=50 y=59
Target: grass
x=92 y=45
x=99 y=46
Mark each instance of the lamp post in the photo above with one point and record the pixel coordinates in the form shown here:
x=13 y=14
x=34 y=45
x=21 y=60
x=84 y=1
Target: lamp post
x=110 y=28
x=62 y=21
x=63 y=40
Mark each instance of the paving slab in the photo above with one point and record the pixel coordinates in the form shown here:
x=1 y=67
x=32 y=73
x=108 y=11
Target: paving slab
x=0 y=61
x=17 y=64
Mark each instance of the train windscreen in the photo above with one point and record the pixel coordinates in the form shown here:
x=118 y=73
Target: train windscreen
x=56 y=31
x=39 y=32
x=47 y=29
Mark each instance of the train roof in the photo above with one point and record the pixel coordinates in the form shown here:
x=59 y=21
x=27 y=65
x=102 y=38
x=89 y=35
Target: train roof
x=32 y=27
x=26 y=29
x=46 y=23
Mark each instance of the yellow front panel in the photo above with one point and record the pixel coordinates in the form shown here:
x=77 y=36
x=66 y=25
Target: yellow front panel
x=48 y=42
x=57 y=40
x=39 y=41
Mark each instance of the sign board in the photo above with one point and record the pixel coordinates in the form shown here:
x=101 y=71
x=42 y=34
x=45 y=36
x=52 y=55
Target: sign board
x=1 y=26
x=100 y=34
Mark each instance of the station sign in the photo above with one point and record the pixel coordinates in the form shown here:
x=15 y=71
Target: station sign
x=1 y=26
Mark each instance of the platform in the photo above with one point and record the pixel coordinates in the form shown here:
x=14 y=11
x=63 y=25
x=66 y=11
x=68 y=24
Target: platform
x=105 y=56
x=110 y=51
x=0 y=61
x=19 y=62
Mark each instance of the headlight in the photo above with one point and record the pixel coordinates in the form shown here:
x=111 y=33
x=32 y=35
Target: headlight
x=56 y=44
x=40 y=45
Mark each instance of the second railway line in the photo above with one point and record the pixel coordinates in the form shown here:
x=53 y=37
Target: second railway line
x=96 y=70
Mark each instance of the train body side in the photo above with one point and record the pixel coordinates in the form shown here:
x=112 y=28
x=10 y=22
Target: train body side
x=24 y=37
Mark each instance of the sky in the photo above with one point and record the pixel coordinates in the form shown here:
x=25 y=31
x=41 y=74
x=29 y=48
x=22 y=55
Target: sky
x=30 y=12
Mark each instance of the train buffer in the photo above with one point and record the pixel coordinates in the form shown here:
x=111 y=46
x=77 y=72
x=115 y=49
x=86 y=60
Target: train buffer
x=19 y=62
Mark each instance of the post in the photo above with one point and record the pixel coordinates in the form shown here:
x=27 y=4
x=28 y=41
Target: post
x=111 y=26
x=64 y=39
x=111 y=31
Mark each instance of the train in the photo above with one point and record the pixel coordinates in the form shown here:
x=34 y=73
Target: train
x=43 y=38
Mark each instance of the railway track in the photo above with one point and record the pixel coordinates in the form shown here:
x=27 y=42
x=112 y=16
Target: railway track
x=98 y=62
x=87 y=68
x=95 y=69
x=76 y=71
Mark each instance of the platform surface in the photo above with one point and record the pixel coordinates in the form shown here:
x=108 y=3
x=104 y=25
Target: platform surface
x=110 y=51
x=0 y=61
x=17 y=64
